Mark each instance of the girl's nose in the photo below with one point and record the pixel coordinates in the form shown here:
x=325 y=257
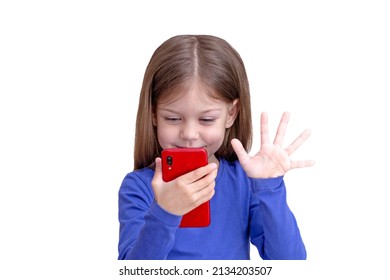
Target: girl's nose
x=189 y=132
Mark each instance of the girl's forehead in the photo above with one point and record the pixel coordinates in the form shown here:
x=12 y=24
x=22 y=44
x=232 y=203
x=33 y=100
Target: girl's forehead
x=192 y=92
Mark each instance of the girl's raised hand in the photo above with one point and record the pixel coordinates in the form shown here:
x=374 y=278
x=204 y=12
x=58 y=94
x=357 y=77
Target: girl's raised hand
x=272 y=160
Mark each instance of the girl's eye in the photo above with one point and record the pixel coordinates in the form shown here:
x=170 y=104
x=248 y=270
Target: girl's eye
x=207 y=120
x=172 y=119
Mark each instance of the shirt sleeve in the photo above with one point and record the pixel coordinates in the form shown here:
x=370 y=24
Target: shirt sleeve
x=146 y=230
x=273 y=227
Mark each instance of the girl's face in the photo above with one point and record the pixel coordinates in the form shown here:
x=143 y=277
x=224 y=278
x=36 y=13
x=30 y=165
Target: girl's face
x=195 y=120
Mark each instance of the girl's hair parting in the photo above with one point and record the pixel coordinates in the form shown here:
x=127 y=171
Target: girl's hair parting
x=180 y=59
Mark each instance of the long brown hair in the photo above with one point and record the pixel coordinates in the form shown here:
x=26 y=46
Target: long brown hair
x=217 y=65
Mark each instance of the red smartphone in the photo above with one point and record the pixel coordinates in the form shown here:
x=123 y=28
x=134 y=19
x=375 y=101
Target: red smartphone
x=179 y=161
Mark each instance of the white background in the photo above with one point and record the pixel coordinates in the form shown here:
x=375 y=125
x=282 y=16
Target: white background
x=70 y=76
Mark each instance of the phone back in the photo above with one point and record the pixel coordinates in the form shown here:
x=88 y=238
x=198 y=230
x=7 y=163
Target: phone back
x=179 y=161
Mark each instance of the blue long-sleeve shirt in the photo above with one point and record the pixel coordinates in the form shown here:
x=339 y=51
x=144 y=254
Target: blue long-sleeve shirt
x=243 y=210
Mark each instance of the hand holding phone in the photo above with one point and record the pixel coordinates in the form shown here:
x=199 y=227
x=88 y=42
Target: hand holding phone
x=180 y=161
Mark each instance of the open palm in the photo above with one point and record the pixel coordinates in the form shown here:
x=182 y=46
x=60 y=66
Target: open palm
x=272 y=160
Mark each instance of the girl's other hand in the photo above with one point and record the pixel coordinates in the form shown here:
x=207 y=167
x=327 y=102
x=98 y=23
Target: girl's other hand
x=272 y=160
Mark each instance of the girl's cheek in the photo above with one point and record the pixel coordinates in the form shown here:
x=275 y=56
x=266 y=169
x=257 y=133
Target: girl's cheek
x=166 y=134
x=215 y=135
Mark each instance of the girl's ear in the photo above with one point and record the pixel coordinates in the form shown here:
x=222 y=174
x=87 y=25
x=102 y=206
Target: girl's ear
x=232 y=113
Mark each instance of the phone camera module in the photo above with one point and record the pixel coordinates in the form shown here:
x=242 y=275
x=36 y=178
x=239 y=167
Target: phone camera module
x=169 y=160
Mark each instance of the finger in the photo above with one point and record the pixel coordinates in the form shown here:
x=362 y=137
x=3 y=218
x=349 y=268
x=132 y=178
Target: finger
x=205 y=194
x=298 y=142
x=279 y=137
x=264 y=129
x=302 y=163
x=201 y=190
x=205 y=181
x=242 y=155
x=199 y=173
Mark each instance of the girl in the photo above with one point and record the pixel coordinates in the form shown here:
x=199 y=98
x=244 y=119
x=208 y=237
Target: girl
x=195 y=93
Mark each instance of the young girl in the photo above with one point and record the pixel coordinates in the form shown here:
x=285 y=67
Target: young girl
x=195 y=93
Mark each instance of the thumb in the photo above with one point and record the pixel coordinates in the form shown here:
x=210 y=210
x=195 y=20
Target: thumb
x=157 y=179
x=242 y=155
x=158 y=169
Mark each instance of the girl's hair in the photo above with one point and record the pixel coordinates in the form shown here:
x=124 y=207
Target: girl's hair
x=180 y=59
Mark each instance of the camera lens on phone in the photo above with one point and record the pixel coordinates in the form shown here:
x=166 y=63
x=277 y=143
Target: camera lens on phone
x=169 y=160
